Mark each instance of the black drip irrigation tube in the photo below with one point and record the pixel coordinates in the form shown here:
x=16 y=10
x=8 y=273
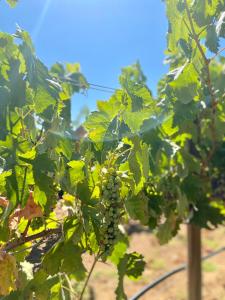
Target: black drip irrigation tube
x=169 y=274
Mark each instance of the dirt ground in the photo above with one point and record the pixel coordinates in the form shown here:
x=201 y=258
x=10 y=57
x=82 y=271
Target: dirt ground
x=161 y=259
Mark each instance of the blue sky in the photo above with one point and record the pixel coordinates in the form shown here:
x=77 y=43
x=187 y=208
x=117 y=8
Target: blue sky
x=102 y=35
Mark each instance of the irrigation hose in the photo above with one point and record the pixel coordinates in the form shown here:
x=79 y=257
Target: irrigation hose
x=182 y=267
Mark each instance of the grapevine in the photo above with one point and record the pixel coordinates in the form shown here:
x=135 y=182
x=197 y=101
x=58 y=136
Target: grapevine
x=67 y=192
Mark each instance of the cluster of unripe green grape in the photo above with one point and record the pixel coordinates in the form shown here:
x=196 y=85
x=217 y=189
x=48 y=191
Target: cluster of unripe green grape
x=37 y=223
x=112 y=204
x=149 y=190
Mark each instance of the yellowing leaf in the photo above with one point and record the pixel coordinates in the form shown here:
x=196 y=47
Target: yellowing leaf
x=8 y=273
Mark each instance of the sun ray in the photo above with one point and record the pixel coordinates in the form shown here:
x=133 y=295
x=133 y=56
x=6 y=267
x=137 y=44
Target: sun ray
x=41 y=19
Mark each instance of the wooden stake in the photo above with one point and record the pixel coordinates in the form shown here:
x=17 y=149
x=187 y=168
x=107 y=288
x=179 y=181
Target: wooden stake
x=194 y=263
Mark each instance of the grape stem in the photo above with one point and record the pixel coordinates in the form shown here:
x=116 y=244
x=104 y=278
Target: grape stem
x=89 y=276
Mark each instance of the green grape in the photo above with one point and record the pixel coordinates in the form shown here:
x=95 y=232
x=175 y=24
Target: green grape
x=106 y=193
x=111 y=219
x=106 y=240
x=116 y=188
x=111 y=181
x=109 y=186
x=114 y=195
x=117 y=213
x=117 y=179
x=111 y=170
x=110 y=229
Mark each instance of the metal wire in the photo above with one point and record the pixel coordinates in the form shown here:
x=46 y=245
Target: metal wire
x=182 y=267
x=100 y=90
x=102 y=86
x=93 y=86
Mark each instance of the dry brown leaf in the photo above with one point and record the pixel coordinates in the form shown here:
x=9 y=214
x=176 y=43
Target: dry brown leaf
x=30 y=211
x=4 y=202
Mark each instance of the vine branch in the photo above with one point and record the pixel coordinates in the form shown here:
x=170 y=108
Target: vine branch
x=25 y=239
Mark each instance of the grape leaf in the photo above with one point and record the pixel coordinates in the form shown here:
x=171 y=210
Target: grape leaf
x=12 y=3
x=8 y=273
x=131 y=265
x=212 y=41
x=137 y=207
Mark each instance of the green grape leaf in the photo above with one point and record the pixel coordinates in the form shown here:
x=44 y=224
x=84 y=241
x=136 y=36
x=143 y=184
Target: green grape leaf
x=76 y=171
x=206 y=215
x=64 y=147
x=137 y=103
x=97 y=124
x=43 y=100
x=132 y=76
x=119 y=250
x=167 y=230
x=40 y=196
x=212 y=40
x=137 y=208
x=40 y=285
x=185 y=84
x=16 y=85
x=111 y=135
x=114 y=104
x=3 y=177
x=4 y=232
x=135 y=167
x=73 y=229
x=131 y=265
x=143 y=156
x=52 y=260
x=42 y=166
x=43 y=292
x=176 y=28
x=134 y=120
x=73 y=266
x=25 y=37
x=203 y=11
x=59 y=259
x=186 y=48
